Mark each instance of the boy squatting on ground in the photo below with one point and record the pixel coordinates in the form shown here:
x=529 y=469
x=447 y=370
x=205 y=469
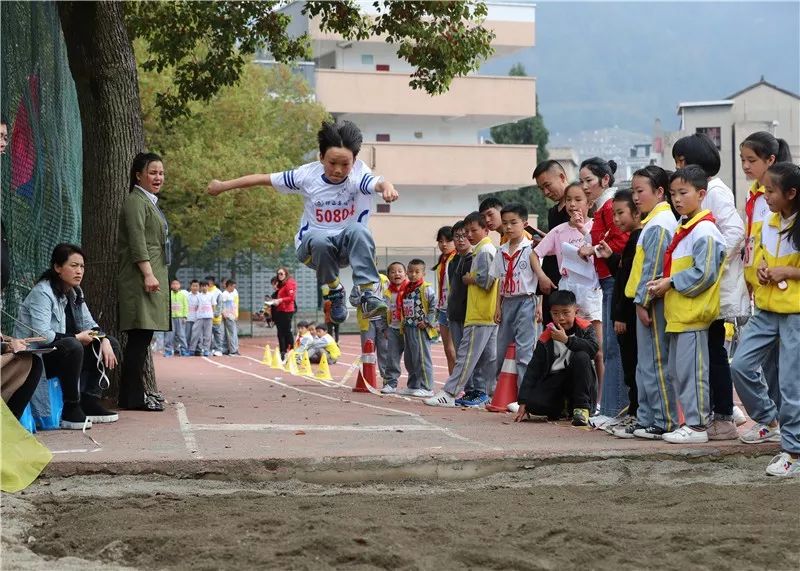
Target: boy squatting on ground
x=561 y=371
x=478 y=347
x=690 y=288
x=337 y=192
x=325 y=344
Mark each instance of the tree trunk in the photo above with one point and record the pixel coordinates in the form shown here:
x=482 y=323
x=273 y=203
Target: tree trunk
x=103 y=66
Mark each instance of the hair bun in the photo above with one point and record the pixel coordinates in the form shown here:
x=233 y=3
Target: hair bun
x=613 y=166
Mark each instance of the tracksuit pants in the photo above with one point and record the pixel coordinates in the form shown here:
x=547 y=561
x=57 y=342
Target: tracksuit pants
x=656 y=395
x=688 y=369
x=518 y=326
x=477 y=350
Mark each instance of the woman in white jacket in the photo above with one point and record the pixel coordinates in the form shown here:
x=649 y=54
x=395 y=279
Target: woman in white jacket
x=698 y=149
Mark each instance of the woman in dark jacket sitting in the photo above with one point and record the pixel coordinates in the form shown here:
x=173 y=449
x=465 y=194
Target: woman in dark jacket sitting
x=56 y=310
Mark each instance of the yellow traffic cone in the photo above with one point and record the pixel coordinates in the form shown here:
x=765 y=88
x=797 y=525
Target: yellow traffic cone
x=324 y=371
x=305 y=366
x=277 y=362
x=291 y=362
x=267 y=359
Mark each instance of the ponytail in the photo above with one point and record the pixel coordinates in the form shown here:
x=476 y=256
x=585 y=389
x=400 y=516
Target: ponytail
x=765 y=145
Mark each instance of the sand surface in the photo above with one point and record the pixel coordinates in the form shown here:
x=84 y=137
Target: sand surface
x=612 y=514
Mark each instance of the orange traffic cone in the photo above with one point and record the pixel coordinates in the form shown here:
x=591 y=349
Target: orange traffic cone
x=368 y=375
x=506 y=391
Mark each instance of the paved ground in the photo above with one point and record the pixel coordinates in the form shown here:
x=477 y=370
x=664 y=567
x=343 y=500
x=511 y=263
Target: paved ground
x=234 y=417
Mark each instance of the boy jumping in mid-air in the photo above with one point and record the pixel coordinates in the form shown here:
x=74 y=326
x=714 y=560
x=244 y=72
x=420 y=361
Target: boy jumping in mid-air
x=337 y=193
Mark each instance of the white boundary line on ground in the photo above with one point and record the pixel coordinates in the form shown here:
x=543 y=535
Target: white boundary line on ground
x=186 y=430
x=448 y=432
x=314 y=428
x=76 y=451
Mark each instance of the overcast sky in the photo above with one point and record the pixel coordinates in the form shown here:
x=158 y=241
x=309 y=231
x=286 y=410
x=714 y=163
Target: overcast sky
x=600 y=64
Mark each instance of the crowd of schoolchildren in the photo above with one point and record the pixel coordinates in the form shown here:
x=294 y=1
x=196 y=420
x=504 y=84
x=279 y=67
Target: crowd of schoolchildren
x=634 y=292
x=204 y=319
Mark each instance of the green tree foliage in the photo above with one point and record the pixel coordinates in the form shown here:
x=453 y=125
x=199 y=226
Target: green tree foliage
x=530 y=131
x=208 y=44
x=267 y=123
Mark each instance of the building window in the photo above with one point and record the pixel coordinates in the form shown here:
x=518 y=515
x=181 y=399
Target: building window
x=714 y=133
x=382 y=67
x=417 y=134
x=367 y=59
x=384 y=208
x=383 y=137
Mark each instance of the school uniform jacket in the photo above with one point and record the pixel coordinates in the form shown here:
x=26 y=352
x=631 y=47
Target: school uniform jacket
x=482 y=295
x=581 y=338
x=758 y=212
x=693 y=301
x=620 y=265
x=778 y=249
x=648 y=263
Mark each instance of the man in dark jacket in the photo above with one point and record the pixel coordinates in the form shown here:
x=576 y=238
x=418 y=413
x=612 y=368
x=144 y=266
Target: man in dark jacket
x=561 y=370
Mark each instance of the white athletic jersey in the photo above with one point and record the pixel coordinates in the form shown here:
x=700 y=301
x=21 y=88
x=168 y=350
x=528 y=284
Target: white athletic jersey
x=523 y=280
x=328 y=207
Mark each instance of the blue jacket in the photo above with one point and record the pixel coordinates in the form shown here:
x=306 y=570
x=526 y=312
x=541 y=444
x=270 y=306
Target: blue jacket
x=46 y=313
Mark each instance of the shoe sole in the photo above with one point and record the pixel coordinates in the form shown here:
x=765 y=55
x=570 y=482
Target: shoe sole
x=375 y=312
x=624 y=436
x=649 y=436
x=68 y=425
x=105 y=419
x=776 y=438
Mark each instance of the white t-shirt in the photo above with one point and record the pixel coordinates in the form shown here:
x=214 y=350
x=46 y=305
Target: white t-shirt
x=328 y=207
x=523 y=280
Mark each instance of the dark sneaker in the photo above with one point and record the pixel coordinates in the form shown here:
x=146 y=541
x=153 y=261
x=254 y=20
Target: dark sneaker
x=469 y=395
x=372 y=304
x=650 y=433
x=580 y=417
x=338 y=304
x=73 y=417
x=476 y=400
x=95 y=412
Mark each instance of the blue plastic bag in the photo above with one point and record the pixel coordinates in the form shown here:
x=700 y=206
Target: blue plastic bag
x=26 y=420
x=48 y=404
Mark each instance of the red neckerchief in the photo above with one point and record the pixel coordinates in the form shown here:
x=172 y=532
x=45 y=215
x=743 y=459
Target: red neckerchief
x=441 y=268
x=512 y=261
x=410 y=287
x=398 y=289
x=680 y=234
x=751 y=206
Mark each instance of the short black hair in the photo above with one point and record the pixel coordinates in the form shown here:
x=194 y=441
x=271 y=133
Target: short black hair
x=445 y=232
x=475 y=217
x=626 y=195
x=321 y=326
x=562 y=297
x=693 y=174
x=458 y=226
x=491 y=202
x=344 y=134
x=230 y=282
x=515 y=208
x=700 y=150
x=203 y=283
x=211 y=279
x=545 y=166
x=305 y=324
x=417 y=262
x=389 y=267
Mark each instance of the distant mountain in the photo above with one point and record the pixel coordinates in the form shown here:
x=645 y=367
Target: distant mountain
x=606 y=64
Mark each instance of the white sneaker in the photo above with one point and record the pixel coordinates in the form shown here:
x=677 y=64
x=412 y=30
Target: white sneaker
x=408 y=392
x=513 y=407
x=761 y=433
x=388 y=390
x=600 y=420
x=738 y=416
x=443 y=399
x=783 y=466
x=216 y=353
x=421 y=393
x=685 y=435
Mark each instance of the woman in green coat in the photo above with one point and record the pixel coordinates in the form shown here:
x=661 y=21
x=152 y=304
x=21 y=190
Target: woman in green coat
x=143 y=256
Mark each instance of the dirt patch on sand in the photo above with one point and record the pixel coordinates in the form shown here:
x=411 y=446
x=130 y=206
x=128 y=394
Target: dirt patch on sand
x=597 y=515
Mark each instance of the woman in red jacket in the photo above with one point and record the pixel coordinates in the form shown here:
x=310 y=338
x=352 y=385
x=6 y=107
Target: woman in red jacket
x=284 y=309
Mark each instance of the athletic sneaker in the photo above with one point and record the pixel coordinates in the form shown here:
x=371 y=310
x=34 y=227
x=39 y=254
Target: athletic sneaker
x=73 y=417
x=421 y=393
x=372 y=304
x=627 y=430
x=95 y=412
x=338 y=304
x=722 y=430
x=168 y=353
x=476 y=400
x=783 y=465
x=408 y=392
x=216 y=353
x=442 y=399
x=599 y=421
x=686 y=435
x=738 y=416
x=468 y=395
x=580 y=417
x=513 y=407
x=761 y=433
x=650 y=432
x=388 y=390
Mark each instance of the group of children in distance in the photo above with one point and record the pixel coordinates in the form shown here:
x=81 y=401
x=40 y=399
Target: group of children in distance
x=204 y=319
x=634 y=287
x=315 y=340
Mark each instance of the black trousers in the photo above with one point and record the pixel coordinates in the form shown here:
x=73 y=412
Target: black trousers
x=131 y=384
x=283 y=323
x=333 y=329
x=576 y=385
x=628 y=348
x=719 y=370
x=76 y=367
x=22 y=396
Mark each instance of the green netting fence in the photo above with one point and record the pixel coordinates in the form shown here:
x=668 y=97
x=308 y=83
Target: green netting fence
x=41 y=167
